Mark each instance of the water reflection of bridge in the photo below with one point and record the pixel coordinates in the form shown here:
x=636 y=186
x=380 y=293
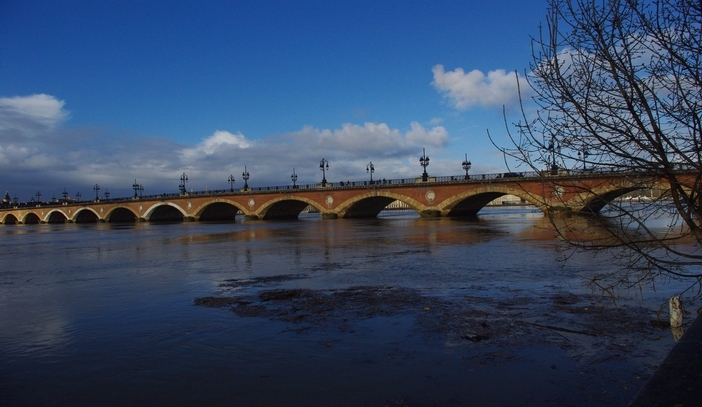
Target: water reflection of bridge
x=436 y=197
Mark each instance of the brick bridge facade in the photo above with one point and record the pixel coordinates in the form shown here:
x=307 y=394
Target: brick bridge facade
x=437 y=197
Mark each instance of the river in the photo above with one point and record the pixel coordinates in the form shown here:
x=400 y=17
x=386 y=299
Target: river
x=393 y=311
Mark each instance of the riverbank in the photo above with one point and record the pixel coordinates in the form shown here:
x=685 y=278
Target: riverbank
x=678 y=380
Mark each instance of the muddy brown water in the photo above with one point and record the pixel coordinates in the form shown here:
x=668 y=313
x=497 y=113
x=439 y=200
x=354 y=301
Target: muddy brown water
x=394 y=311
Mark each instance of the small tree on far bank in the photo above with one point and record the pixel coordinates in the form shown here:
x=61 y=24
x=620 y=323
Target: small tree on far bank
x=617 y=86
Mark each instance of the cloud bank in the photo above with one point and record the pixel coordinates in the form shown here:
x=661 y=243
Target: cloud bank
x=37 y=152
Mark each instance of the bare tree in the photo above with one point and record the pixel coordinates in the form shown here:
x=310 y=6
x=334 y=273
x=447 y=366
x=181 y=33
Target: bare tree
x=617 y=87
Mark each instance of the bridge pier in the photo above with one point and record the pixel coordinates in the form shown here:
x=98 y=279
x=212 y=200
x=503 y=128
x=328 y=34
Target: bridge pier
x=430 y=213
x=330 y=215
x=559 y=212
x=251 y=217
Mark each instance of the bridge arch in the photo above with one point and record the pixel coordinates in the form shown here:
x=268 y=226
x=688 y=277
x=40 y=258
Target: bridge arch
x=31 y=218
x=469 y=203
x=86 y=215
x=56 y=216
x=370 y=204
x=218 y=210
x=593 y=201
x=121 y=214
x=286 y=207
x=10 y=219
x=165 y=212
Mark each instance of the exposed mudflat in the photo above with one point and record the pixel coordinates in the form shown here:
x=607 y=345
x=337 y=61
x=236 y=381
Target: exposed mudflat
x=590 y=329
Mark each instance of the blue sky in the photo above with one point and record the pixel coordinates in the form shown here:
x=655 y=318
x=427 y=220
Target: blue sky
x=107 y=92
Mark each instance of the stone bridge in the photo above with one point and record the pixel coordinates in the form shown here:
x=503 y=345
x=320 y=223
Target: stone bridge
x=436 y=197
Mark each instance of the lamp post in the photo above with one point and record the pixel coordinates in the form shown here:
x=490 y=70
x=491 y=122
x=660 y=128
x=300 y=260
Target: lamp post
x=65 y=195
x=96 y=188
x=78 y=196
x=231 y=183
x=293 y=177
x=245 y=175
x=553 y=148
x=107 y=195
x=370 y=169
x=585 y=154
x=38 y=197
x=136 y=187
x=466 y=165
x=141 y=191
x=324 y=166
x=424 y=162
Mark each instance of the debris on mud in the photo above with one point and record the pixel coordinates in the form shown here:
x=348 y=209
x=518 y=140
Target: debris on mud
x=247 y=282
x=469 y=317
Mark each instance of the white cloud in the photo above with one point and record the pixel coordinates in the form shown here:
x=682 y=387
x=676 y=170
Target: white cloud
x=436 y=136
x=30 y=116
x=474 y=88
x=219 y=141
x=372 y=139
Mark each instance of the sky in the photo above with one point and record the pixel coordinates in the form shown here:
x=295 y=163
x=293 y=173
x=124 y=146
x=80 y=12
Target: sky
x=114 y=92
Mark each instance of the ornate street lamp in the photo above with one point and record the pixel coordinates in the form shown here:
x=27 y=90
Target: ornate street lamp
x=141 y=191
x=231 y=183
x=245 y=175
x=136 y=187
x=96 y=188
x=424 y=162
x=183 y=181
x=65 y=195
x=78 y=196
x=107 y=195
x=324 y=166
x=38 y=196
x=293 y=177
x=370 y=169
x=466 y=165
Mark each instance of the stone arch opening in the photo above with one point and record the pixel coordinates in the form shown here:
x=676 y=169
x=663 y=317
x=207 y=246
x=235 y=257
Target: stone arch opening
x=219 y=211
x=470 y=206
x=10 y=220
x=86 y=216
x=31 y=219
x=57 y=217
x=285 y=209
x=599 y=201
x=368 y=207
x=165 y=213
x=122 y=215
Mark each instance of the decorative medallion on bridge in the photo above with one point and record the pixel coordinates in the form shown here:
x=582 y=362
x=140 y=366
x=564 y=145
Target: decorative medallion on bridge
x=558 y=191
x=430 y=195
x=190 y=205
x=329 y=200
x=102 y=210
x=141 y=208
x=252 y=203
